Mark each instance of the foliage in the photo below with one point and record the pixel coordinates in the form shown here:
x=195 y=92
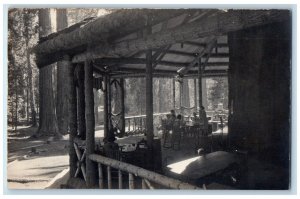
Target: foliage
x=22 y=32
x=217 y=92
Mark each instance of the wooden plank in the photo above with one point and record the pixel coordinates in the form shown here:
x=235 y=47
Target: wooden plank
x=90 y=124
x=218 y=24
x=100 y=174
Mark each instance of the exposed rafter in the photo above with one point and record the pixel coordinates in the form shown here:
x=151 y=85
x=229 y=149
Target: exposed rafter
x=122 y=61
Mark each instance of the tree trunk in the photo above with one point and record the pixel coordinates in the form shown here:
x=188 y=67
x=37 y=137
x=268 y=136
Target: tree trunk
x=48 y=121
x=16 y=105
x=30 y=88
x=62 y=98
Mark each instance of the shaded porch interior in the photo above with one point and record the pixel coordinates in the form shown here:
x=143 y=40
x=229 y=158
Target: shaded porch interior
x=251 y=48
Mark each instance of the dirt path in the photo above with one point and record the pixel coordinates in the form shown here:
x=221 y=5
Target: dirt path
x=32 y=163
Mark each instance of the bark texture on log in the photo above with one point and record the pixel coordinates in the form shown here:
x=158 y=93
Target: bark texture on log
x=72 y=119
x=90 y=124
x=216 y=25
x=104 y=28
x=80 y=101
x=48 y=121
x=62 y=70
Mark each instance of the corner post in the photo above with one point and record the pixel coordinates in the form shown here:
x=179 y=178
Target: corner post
x=90 y=124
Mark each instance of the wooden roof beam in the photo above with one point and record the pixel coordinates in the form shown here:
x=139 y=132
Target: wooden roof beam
x=216 y=25
x=122 y=61
x=203 y=45
x=102 y=29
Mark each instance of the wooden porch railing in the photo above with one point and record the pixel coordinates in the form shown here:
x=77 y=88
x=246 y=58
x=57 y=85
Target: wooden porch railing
x=137 y=123
x=147 y=177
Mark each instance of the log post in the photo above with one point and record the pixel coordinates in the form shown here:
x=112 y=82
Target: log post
x=80 y=101
x=180 y=96
x=174 y=94
x=195 y=94
x=109 y=108
x=72 y=116
x=122 y=82
x=200 y=85
x=90 y=124
x=105 y=112
x=149 y=99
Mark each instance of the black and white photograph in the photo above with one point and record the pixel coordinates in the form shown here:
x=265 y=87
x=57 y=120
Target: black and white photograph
x=149 y=98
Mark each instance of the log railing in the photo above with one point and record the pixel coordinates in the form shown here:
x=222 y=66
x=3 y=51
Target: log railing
x=137 y=124
x=137 y=176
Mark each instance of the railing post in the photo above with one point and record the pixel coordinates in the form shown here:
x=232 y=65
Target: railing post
x=120 y=179
x=100 y=173
x=131 y=181
x=144 y=184
x=109 y=183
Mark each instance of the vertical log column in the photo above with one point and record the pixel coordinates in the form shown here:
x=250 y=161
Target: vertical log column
x=81 y=101
x=180 y=96
x=149 y=98
x=200 y=85
x=109 y=108
x=195 y=94
x=90 y=124
x=105 y=113
x=122 y=105
x=72 y=111
x=174 y=94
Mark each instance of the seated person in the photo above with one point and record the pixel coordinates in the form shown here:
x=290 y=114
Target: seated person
x=111 y=149
x=180 y=120
x=173 y=115
x=195 y=118
x=169 y=122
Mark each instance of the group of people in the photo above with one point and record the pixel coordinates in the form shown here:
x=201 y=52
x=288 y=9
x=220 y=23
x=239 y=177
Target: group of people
x=177 y=122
